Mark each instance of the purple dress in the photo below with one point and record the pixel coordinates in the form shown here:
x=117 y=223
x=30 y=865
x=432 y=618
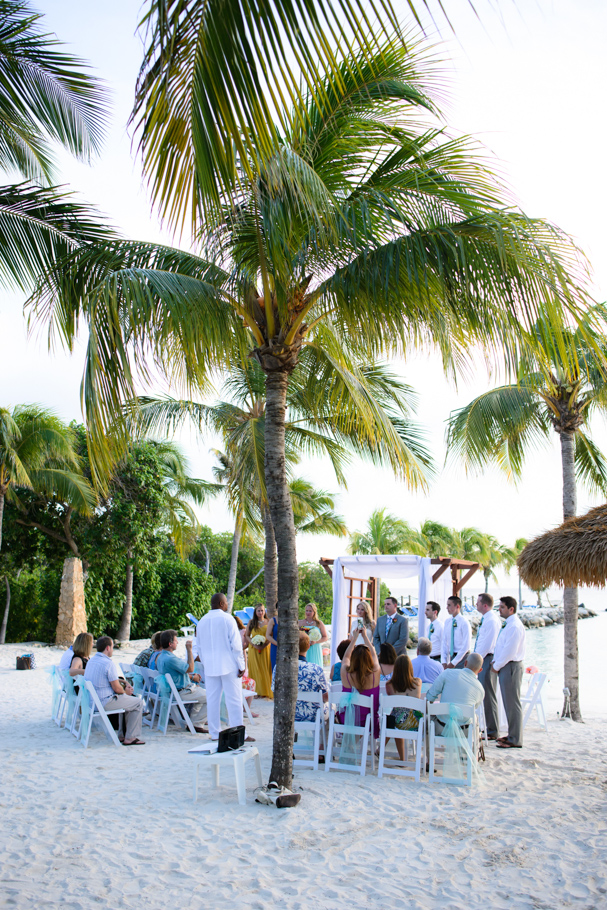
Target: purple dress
x=360 y=712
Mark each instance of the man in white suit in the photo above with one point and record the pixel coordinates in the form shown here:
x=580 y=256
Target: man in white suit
x=219 y=648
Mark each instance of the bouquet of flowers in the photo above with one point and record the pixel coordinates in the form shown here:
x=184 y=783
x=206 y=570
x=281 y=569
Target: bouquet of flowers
x=258 y=640
x=314 y=634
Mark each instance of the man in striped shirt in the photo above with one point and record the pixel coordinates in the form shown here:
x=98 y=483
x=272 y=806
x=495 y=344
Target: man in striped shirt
x=102 y=672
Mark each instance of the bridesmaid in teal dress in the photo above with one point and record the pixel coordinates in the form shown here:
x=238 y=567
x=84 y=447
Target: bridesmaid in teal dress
x=311 y=621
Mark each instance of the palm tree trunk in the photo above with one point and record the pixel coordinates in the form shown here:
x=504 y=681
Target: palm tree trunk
x=1 y=516
x=570 y=596
x=270 y=563
x=124 y=632
x=234 y=560
x=281 y=513
x=7 y=608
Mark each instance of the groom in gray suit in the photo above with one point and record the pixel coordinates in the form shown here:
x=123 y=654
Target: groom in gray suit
x=392 y=628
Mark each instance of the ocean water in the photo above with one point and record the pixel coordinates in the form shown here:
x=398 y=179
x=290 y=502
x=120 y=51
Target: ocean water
x=545 y=651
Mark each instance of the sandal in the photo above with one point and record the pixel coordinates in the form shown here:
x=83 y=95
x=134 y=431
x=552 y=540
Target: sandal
x=507 y=745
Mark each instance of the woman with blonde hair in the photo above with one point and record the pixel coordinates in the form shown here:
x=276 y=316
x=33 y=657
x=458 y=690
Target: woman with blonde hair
x=363 y=612
x=258 y=652
x=317 y=638
x=82 y=651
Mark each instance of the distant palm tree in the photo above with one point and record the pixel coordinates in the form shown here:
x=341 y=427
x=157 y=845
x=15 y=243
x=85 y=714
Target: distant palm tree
x=385 y=533
x=37 y=453
x=561 y=384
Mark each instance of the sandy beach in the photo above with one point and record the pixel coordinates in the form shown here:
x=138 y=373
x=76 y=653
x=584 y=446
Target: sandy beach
x=115 y=829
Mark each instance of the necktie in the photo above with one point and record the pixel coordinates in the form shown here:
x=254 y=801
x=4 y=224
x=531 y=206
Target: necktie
x=431 y=628
x=388 y=624
x=453 y=624
x=478 y=632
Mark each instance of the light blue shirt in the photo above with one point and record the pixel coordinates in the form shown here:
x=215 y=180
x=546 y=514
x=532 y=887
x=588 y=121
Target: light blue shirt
x=457 y=687
x=166 y=662
x=101 y=671
x=425 y=668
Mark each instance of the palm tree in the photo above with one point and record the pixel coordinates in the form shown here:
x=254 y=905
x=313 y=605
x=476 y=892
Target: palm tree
x=37 y=453
x=336 y=407
x=558 y=389
x=385 y=533
x=48 y=97
x=359 y=218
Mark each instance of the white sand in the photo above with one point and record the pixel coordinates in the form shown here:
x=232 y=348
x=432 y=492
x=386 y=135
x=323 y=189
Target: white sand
x=109 y=828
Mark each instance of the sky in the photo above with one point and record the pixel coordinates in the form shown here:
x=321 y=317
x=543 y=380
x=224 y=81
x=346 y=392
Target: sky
x=527 y=79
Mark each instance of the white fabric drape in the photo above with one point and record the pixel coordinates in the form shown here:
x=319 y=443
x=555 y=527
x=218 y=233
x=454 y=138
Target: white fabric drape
x=393 y=567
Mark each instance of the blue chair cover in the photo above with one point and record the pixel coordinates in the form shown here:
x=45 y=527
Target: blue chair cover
x=56 y=682
x=164 y=690
x=457 y=748
x=86 y=709
x=351 y=744
x=138 y=682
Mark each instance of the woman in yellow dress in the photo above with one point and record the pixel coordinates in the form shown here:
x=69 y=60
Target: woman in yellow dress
x=260 y=668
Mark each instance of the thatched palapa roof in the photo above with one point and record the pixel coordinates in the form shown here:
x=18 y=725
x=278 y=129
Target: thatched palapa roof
x=572 y=554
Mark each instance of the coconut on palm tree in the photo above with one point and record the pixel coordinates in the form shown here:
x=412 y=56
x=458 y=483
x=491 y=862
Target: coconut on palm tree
x=561 y=384
x=361 y=218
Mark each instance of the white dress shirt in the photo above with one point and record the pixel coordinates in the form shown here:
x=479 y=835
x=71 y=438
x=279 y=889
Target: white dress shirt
x=457 y=687
x=219 y=644
x=435 y=634
x=461 y=639
x=486 y=634
x=510 y=644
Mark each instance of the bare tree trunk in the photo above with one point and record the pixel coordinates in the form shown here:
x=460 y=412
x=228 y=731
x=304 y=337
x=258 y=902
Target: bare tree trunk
x=124 y=632
x=486 y=583
x=570 y=596
x=67 y=530
x=281 y=512
x=7 y=608
x=270 y=564
x=234 y=560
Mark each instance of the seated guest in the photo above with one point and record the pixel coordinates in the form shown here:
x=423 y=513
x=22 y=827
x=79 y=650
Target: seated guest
x=310 y=678
x=423 y=665
x=155 y=654
x=143 y=657
x=387 y=659
x=66 y=658
x=182 y=674
x=83 y=645
x=459 y=687
x=360 y=670
x=404 y=682
x=335 y=674
x=102 y=672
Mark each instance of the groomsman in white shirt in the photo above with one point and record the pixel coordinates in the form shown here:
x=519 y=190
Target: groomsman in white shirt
x=508 y=659
x=456 y=636
x=435 y=632
x=486 y=637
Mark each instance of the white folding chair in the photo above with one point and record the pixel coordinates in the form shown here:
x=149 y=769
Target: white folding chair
x=177 y=708
x=336 y=690
x=245 y=706
x=314 y=727
x=364 y=731
x=98 y=713
x=61 y=703
x=417 y=737
x=468 y=718
x=534 y=698
x=482 y=722
x=151 y=698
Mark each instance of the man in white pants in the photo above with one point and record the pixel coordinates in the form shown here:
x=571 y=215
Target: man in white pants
x=219 y=648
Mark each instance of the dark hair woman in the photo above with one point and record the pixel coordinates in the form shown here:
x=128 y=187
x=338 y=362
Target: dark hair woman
x=387 y=659
x=404 y=682
x=360 y=670
x=258 y=652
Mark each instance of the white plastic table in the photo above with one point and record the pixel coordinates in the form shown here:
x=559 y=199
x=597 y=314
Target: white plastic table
x=237 y=759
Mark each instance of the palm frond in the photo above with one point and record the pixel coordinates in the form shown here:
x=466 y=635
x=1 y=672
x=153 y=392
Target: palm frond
x=590 y=465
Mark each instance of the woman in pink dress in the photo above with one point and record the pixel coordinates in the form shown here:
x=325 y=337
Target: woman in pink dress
x=360 y=670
